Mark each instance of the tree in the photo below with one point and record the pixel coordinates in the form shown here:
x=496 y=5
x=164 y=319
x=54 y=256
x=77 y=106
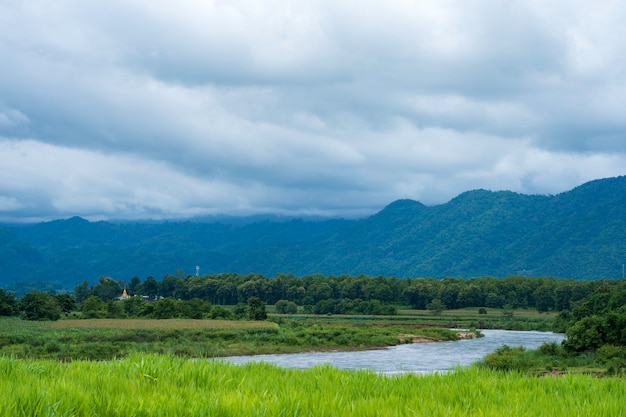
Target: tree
x=256 y=309
x=8 y=304
x=165 y=309
x=194 y=308
x=81 y=292
x=240 y=311
x=507 y=311
x=285 y=307
x=66 y=303
x=93 y=307
x=150 y=287
x=219 y=312
x=107 y=289
x=133 y=307
x=435 y=307
x=40 y=306
x=134 y=287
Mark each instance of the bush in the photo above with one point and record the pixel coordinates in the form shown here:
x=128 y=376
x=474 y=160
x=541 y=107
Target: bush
x=93 y=307
x=286 y=307
x=40 y=306
x=219 y=312
x=507 y=358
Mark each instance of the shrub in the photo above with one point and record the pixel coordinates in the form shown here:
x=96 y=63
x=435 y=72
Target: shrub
x=507 y=358
x=219 y=312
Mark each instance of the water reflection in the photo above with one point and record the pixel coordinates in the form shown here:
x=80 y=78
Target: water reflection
x=416 y=358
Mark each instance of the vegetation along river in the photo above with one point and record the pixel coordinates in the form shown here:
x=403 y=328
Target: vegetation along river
x=415 y=358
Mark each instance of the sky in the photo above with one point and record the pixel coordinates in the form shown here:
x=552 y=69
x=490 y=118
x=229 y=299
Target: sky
x=153 y=109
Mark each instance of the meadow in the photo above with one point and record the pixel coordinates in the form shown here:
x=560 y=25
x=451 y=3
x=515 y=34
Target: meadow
x=159 y=385
x=105 y=339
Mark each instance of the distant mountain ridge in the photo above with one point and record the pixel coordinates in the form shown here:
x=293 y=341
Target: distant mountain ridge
x=578 y=234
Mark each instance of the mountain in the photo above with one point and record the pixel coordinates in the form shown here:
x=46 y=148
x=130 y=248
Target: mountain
x=579 y=234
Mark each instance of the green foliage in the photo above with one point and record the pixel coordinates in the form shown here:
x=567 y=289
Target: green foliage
x=8 y=303
x=39 y=306
x=65 y=302
x=93 y=307
x=256 y=309
x=482 y=310
x=107 y=289
x=240 y=311
x=285 y=307
x=507 y=358
x=164 y=309
x=435 y=307
x=220 y=313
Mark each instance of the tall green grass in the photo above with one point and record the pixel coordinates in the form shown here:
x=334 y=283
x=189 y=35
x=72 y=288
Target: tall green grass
x=167 y=386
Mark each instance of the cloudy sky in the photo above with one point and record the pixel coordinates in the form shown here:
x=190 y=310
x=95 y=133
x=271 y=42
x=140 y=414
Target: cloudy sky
x=133 y=109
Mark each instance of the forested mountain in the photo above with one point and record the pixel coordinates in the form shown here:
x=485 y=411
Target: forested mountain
x=577 y=234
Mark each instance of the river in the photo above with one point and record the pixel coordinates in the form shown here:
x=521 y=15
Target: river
x=414 y=358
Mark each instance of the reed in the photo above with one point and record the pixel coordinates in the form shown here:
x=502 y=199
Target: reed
x=156 y=385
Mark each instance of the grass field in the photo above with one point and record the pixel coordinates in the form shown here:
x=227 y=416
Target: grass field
x=103 y=339
x=167 y=324
x=521 y=319
x=166 y=386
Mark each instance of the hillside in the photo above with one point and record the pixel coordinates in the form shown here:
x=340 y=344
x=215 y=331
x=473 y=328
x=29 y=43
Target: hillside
x=578 y=234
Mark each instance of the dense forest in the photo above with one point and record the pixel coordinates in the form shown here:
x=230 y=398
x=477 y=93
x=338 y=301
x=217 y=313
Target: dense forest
x=578 y=234
x=343 y=294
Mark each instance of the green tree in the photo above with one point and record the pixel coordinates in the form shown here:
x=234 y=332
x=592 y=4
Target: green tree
x=435 y=307
x=133 y=307
x=240 y=311
x=150 y=287
x=285 y=307
x=8 y=303
x=165 y=309
x=107 y=289
x=66 y=303
x=256 y=309
x=219 y=312
x=93 y=307
x=40 y=306
x=115 y=309
x=134 y=287
x=81 y=291
x=194 y=308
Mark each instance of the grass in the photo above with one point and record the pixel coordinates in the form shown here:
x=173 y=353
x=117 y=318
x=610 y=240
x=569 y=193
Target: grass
x=462 y=318
x=157 y=385
x=104 y=339
x=167 y=324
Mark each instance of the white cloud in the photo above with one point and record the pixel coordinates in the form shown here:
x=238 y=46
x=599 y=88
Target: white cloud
x=158 y=109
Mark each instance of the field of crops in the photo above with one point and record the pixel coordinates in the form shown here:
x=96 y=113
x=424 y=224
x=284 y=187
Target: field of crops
x=156 y=385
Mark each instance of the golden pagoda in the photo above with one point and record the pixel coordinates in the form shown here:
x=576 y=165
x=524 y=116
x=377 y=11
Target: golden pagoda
x=125 y=295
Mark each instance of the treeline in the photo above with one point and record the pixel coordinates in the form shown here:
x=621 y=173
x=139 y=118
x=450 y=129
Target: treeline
x=343 y=294
x=543 y=294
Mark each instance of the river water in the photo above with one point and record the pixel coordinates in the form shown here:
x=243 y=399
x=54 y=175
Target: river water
x=414 y=358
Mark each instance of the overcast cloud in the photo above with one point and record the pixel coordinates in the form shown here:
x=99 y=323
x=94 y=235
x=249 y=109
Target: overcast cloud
x=159 y=109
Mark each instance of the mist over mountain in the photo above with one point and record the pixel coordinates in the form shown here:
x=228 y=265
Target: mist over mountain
x=577 y=234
